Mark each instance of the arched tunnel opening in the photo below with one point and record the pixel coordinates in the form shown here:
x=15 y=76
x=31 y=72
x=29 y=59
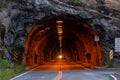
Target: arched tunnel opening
x=78 y=43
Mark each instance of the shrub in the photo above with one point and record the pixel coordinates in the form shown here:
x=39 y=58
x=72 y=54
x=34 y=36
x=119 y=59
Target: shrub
x=110 y=65
x=7 y=71
x=4 y=64
x=113 y=65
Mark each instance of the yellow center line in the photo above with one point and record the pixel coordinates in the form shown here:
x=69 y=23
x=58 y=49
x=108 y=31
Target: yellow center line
x=59 y=75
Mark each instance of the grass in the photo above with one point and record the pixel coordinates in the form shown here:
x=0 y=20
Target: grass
x=113 y=65
x=7 y=71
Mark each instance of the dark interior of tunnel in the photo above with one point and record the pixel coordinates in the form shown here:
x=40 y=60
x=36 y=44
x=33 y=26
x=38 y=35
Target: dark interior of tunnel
x=78 y=42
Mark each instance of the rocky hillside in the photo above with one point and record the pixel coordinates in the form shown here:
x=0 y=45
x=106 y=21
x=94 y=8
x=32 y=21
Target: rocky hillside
x=17 y=19
x=113 y=4
x=109 y=7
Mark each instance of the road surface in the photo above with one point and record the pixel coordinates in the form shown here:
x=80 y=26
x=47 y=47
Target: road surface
x=66 y=75
x=64 y=70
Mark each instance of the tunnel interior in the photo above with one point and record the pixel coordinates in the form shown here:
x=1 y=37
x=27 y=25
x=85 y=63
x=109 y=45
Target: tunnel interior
x=78 y=41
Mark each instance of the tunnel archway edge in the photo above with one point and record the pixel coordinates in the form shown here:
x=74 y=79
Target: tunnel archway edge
x=45 y=24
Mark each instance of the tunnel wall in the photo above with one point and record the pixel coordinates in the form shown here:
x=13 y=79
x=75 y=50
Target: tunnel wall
x=79 y=40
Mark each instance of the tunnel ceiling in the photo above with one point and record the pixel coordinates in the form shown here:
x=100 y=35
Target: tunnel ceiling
x=77 y=40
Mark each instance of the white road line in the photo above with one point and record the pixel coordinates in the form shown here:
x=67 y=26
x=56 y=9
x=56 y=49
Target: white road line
x=22 y=74
x=59 y=75
x=113 y=77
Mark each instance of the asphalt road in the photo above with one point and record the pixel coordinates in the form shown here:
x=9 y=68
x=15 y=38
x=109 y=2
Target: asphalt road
x=64 y=70
x=37 y=75
x=87 y=75
x=66 y=75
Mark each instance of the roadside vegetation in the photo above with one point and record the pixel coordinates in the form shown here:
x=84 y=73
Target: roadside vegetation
x=7 y=70
x=113 y=65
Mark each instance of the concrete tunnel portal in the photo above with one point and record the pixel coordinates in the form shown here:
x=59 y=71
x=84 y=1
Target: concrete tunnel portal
x=78 y=42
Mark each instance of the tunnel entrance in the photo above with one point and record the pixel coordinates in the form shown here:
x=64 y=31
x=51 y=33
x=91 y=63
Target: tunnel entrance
x=78 y=42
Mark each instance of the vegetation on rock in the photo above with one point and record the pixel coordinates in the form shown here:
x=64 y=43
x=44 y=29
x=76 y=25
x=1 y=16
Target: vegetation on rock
x=7 y=70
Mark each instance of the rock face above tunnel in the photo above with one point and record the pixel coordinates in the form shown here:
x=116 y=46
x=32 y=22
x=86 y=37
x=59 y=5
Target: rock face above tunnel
x=18 y=19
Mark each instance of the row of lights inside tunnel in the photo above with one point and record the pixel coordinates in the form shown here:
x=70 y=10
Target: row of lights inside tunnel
x=60 y=32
